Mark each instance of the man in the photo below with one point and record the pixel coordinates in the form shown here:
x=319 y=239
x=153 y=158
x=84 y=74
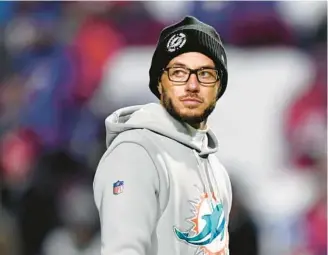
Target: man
x=159 y=188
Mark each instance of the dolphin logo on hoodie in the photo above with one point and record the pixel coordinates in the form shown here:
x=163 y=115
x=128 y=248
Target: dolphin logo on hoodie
x=208 y=232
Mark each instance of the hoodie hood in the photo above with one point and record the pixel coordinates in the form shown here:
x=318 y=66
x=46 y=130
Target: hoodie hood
x=155 y=118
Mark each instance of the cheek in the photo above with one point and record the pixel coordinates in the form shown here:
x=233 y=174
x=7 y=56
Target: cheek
x=175 y=92
x=170 y=90
x=210 y=95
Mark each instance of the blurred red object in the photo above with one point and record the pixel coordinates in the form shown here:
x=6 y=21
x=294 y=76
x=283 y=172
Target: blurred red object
x=249 y=30
x=18 y=152
x=306 y=127
x=95 y=43
x=316 y=220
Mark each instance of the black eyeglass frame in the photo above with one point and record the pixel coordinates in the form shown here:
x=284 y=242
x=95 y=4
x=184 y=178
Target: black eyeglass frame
x=195 y=71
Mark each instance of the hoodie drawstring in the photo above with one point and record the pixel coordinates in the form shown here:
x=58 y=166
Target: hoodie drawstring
x=215 y=182
x=206 y=179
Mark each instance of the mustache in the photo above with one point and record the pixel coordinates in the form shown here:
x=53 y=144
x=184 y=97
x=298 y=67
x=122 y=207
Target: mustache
x=193 y=96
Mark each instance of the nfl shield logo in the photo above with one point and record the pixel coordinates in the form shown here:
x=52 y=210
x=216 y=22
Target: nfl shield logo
x=118 y=187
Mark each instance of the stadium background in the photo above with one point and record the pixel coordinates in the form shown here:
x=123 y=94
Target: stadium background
x=65 y=66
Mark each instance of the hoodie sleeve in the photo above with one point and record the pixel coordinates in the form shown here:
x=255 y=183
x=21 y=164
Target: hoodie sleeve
x=127 y=219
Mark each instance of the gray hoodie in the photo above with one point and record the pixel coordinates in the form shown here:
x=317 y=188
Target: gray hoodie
x=158 y=191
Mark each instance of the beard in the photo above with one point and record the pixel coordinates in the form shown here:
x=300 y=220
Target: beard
x=191 y=119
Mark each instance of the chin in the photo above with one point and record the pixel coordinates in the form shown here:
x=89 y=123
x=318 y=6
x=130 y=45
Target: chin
x=191 y=109
x=191 y=113
x=188 y=113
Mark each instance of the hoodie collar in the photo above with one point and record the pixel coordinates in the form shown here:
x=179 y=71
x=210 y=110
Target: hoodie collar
x=154 y=117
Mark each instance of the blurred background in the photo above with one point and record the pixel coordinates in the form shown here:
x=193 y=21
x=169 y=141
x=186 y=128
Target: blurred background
x=65 y=66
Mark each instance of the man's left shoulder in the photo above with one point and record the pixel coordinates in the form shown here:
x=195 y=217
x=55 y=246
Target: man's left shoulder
x=216 y=160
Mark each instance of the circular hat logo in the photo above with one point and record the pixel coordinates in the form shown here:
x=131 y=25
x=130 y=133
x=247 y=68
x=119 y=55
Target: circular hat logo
x=176 y=42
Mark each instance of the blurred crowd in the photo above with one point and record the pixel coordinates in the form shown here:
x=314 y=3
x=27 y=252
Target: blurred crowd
x=56 y=58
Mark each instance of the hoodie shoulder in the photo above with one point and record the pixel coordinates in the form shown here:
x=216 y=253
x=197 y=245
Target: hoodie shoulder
x=142 y=138
x=137 y=136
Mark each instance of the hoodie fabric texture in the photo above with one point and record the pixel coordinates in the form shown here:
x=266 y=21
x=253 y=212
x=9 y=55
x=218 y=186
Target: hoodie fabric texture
x=159 y=188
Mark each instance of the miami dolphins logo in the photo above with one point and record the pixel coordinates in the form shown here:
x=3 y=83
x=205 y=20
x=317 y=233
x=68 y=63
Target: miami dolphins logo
x=209 y=231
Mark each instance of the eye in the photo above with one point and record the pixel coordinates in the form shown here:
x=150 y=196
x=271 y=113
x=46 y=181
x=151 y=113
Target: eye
x=178 y=72
x=207 y=73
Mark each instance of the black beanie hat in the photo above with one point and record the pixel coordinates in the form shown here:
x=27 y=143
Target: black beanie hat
x=188 y=35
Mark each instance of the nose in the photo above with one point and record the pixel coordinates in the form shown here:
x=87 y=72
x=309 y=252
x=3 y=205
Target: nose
x=192 y=84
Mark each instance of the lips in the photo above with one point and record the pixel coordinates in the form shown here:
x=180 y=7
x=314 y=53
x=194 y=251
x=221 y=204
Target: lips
x=191 y=99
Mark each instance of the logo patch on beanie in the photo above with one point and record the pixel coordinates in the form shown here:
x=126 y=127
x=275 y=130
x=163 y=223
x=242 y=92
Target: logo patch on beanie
x=176 y=42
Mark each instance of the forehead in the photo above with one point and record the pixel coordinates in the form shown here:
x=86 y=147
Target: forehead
x=192 y=60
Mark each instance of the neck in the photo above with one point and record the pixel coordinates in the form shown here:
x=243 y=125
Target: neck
x=201 y=126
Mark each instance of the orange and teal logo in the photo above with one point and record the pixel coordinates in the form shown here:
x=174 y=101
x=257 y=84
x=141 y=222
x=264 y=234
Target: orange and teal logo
x=209 y=232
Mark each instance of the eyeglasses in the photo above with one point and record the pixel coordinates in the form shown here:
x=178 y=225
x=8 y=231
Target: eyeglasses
x=206 y=76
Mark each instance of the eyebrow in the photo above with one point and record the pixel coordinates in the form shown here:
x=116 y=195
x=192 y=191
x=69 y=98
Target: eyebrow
x=179 y=64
